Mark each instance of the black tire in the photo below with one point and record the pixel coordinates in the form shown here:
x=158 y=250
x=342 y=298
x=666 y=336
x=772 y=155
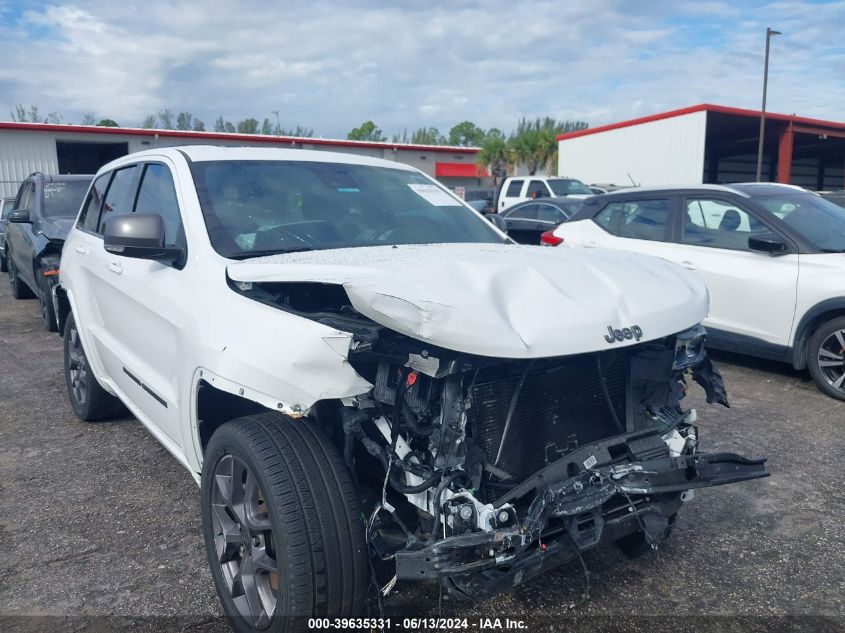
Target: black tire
x=19 y=289
x=48 y=312
x=313 y=515
x=89 y=400
x=826 y=357
x=4 y=267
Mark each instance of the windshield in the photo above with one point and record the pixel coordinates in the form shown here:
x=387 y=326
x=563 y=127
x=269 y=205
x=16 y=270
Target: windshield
x=567 y=187
x=254 y=208
x=63 y=199
x=817 y=220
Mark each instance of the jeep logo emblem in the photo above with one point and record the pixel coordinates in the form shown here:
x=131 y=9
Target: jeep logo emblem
x=633 y=332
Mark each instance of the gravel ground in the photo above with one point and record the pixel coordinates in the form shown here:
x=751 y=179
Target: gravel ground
x=100 y=529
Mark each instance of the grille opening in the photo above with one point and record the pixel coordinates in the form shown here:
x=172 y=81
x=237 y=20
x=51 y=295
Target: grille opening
x=560 y=408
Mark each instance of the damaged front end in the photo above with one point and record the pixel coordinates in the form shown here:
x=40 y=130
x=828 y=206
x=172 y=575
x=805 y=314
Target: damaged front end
x=483 y=472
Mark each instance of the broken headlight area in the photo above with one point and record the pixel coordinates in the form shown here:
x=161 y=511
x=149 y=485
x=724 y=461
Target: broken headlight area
x=483 y=472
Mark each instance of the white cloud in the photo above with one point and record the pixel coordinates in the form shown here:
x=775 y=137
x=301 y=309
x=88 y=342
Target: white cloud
x=330 y=64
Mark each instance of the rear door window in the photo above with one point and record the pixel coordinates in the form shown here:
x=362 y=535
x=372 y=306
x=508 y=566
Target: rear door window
x=636 y=219
x=90 y=216
x=549 y=213
x=514 y=189
x=525 y=212
x=120 y=196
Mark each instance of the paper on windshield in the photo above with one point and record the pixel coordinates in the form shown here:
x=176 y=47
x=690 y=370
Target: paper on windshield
x=434 y=195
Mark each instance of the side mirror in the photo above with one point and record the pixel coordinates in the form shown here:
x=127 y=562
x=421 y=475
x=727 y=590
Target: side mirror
x=139 y=235
x=498 y=221
x=768 y=243
x=20 y=216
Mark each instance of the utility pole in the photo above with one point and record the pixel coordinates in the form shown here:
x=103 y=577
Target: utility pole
x=769 y=33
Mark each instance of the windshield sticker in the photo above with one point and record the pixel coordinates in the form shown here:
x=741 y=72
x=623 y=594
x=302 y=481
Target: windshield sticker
x=434 y=195
x=348 y=190
x=53 y=189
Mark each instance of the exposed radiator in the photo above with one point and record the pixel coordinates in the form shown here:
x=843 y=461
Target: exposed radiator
x=558 y=410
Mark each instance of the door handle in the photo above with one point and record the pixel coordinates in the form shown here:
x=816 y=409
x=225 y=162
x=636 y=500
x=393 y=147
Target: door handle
x=81 y=249
x=116 y=268
x=689 y=265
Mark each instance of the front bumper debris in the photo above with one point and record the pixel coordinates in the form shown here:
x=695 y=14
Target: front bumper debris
x=606 y=499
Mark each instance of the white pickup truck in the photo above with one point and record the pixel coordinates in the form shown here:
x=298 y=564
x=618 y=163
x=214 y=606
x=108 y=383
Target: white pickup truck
x=371 y=383
x=516 y=189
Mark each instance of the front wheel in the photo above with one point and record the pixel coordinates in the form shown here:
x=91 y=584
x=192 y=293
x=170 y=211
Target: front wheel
x=4 y=267
x=826 y=357
x=19 y=289
x=282 y=525
x=48 y=312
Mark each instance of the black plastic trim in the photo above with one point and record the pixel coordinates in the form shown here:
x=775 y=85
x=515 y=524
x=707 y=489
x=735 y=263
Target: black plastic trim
x=137 y=380
x=731 y=342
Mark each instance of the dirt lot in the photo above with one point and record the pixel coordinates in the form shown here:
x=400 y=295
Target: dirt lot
x=99 y=526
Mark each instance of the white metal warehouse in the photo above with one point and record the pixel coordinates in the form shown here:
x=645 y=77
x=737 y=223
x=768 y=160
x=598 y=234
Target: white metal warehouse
x=706 y=144
x=81 y=149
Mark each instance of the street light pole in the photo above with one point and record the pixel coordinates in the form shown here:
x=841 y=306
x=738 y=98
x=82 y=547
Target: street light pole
x=769 y=33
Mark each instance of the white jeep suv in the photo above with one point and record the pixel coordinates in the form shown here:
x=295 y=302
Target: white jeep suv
x=772 y=256
x=371 y=383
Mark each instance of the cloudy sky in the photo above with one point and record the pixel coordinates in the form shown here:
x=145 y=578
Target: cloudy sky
x=331 y=64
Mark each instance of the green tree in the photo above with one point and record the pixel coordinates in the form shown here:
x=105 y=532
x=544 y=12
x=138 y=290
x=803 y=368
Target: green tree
x=165 y=118
x=494 y=155
x=149 y=123
x=466 y=134
x=199 y=126
x=427 y=136
x=248 y=126
x=89 y=119
x=267 y=127
x=184 y=121
x=367 y=131
x=228 y=127
x=22 y=115
x=299 y=131
x=108 y=123
x=534 y=143
x=220 y=125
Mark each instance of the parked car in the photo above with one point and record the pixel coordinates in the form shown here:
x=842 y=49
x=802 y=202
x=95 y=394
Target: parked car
x=6 y=206
x=527 y=221
x=44 y=211
x=836 y=197
x=521 y=188
x=771 y=256
x=370 y=383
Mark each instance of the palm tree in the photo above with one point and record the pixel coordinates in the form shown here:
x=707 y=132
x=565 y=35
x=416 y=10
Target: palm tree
x=494 y=155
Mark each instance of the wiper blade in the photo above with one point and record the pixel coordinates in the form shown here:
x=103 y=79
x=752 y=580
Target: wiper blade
x=267 y=252
x=833 y=250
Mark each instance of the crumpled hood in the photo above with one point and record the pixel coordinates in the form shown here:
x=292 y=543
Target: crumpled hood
x=501 y=300
x=56 y=228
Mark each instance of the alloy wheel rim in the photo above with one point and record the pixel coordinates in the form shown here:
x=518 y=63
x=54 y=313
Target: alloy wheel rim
x=77 y=367
x=243 y=539
x=831 y=359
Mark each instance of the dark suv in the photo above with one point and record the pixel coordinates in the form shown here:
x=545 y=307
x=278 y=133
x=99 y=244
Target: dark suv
x=42 y=215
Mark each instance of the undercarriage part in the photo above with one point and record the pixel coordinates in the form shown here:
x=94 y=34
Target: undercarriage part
x=490 y=471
